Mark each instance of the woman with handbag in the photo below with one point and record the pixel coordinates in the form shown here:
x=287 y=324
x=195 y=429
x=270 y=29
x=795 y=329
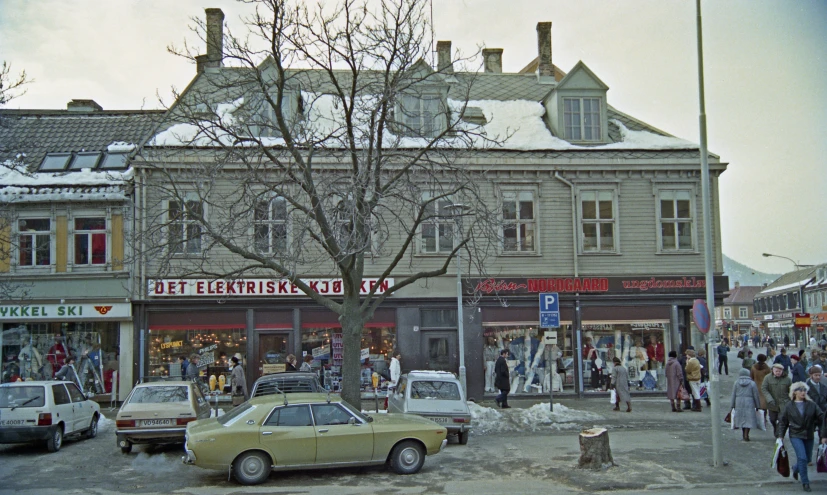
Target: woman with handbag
x=239 y=382
x=674 y=380
x=801 y=416
x=620 y=384
x=745 y=402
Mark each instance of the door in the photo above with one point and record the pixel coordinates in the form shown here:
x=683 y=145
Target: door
x=439 y=350
x=289 y=434
x=341 y=436
x=63 y=408
x=271 y=350
x=81 y=406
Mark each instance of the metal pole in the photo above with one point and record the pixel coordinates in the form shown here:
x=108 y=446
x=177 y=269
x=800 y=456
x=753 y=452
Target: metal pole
x=460 y=327
x=717 y=458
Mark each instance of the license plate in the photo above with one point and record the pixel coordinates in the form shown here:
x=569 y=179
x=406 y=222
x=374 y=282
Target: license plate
x=156 y=422
x=440 y=420
x=13 y=422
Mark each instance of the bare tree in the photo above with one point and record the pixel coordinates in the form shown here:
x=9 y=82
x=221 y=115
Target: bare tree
x=326 y=147
x=11 y=87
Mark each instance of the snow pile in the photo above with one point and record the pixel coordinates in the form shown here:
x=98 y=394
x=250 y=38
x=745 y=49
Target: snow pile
x=155 y=464
x=120 y=147
x=13 y=175
x=646 y=140
x=204 y=133
x=536 y=418
x=104 y=424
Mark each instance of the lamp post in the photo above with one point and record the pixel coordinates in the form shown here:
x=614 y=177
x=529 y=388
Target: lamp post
x=458 y=210
x=801 y=302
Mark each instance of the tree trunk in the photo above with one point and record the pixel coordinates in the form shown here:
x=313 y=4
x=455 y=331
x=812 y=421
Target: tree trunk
x=352 y=366
x=595 y=452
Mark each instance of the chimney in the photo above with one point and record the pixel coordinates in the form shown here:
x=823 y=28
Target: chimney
x=545 y=70
x=443 y=52
x=201 y=63
x=737 y=284
x=215 y=37
x=83 y=106
x=493 y=60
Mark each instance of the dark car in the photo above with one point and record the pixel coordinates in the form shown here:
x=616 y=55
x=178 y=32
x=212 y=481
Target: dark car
x=287 y=382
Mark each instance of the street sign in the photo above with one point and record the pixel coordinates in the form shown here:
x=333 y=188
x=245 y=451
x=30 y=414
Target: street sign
x=549 y=310
x=550 y=338
x=803 y=320
x=700 y=312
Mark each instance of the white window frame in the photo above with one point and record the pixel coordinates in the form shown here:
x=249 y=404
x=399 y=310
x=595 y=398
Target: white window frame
x=421 y=121
x=743 y=312
x=18 y=235
x=442 y=223
x=661 y=192
x=576 y=120
x=727 y=313
x=262 y=115
x=597 y=191
x=517 y=194
x=188 y=198
x=271 y=223
x=73 y=233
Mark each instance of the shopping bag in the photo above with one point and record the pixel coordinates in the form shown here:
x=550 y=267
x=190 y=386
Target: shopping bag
x=821 y=459
x=759 y=418
x=783 y=466
x=683 y=394
x=704 y=390
x=728 y=418
x=613 y=396
x=732 y=420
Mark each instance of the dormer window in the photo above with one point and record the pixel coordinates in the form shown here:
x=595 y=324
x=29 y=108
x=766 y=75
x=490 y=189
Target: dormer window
x=582 y=119
x=262 y=115
x=421 y=116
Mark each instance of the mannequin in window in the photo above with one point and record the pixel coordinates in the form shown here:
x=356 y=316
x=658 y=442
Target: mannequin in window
x=655 y=353
x=57 y=355
x=30 y=360
x=490 y=353
x=637 y=360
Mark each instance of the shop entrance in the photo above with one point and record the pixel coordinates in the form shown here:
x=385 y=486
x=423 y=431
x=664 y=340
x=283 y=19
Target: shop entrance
x=272 y=347
x=440 y=350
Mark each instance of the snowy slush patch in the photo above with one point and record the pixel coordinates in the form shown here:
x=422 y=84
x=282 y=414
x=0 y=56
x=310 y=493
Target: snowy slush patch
x=104 y=424
x=536 y=418
x=159 y=463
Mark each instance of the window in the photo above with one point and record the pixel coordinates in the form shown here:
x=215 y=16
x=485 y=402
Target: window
x=114 y=160
x=290 y=416
x=35 y=241
x=262 y=115
x=519 y=224
x=159 y=394
x=597 y=219
x=582 y=119
x=54 y=162
x=675 y=220
x=90 y=241
x=727 y=313
x=330 y=414
x=75 y=393
x=60 y=394
x=422 y=116
x=434 y=390
x=742 y=312
x=270 y=224
x=437 y=227
x=184 y=227
x=85 y=160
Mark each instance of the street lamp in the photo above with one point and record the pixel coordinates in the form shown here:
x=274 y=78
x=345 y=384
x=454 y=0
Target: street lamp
x=458 y=210
x=801 y=302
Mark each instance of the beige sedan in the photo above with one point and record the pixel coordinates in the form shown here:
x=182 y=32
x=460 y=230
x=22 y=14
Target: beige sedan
x=158 y=413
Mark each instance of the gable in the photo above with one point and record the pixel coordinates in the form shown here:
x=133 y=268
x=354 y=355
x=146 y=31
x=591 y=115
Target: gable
x=581 y=78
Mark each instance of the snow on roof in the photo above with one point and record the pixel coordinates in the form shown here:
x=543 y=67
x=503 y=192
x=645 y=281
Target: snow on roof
x=510 y=125
x=120 y=147
x=86 y=185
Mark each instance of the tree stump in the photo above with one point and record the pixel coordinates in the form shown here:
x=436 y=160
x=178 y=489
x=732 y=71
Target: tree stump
x=595 y=452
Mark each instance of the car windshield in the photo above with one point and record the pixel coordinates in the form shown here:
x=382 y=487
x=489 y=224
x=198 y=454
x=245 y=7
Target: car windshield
x=234 y=413
x=158 y=394
x=26 y=396
x=434 y=390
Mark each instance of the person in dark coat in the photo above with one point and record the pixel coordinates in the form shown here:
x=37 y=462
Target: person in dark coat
x=800 y=416
x=783 y=359
x=704 y=372
x=674 y=379
x=502 y=379
x=818 y=392
x=620 y=384
x=682 y=360
x=786 y=340
x=745 y=401
x=723 y=358
x=797 y=373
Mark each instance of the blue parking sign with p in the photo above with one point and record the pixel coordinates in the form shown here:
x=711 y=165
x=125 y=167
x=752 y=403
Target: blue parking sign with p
x=549 y=310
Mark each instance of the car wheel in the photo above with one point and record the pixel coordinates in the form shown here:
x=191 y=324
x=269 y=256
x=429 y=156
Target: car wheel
x=126 y=446
x=56 y=440
x=463 y=437
x=92 y=432
x=252 y=468
x=407 y=458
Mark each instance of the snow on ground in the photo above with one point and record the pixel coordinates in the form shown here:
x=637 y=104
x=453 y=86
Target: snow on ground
x=105 y=424
x=536 y=418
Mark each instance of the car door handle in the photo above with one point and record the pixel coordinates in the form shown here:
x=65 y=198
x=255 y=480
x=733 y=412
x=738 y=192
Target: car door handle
x=266 y=432
x=323 y=430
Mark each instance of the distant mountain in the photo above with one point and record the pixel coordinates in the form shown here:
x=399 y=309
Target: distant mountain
x=745 y=275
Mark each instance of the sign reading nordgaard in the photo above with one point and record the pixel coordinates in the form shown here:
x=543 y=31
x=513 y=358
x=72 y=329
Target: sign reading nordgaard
x=172 y=287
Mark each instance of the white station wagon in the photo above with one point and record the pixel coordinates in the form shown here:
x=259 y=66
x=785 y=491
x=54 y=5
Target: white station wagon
x=45 y=411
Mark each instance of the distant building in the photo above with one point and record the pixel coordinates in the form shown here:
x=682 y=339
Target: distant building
x=734 y=318
x=777 y=304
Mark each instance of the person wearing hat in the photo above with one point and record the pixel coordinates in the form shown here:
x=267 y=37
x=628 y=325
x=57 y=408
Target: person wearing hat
x=745 y=400
x=502 y=379
x=776 y=391
x=817 y=393
x=747 y=362
x=758 y=372
x=797 y=373
x=800 y=416
x=783 y=359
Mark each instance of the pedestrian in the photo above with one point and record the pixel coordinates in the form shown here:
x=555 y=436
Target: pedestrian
x=823 y=342
x=815 y=359
x=693 y=376
x=800 y=416
x=192 y=367
x=306 y=367
x=783 y=359
x=396 y=369
x=290 y=363
x=674 y=379
x=776 y=390
x=723 y=349
x=797 y=373
x=502 y=380
x=745 y=401
x=238 y=378
x=802 y=358
x=818 y=391
x=687 y=404
x=704 y=374
x=771 y=342
x=67 y=371
x=759 y=371
x=747 y=362
x=184 y=362
x=620 y=384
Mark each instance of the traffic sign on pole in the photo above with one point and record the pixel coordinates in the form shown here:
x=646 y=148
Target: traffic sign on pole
x=549 y=310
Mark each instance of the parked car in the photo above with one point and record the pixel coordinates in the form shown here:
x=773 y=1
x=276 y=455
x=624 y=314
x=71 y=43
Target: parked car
x=308 y=431
x=158 y=413
x=436 y=395
x=288 y=383
x=46 y=411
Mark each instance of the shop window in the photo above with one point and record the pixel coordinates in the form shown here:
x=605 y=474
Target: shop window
x=324 y=345
x=35 y=241
x=184 y=226
x=271 y=226
x=437 y=229
x=519 y=225
x=90 y=241
x=676 y=220
x=597 y=220
x=213 y=346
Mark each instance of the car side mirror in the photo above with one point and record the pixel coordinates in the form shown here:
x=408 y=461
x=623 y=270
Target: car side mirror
x=370 y=419
x=351 y=421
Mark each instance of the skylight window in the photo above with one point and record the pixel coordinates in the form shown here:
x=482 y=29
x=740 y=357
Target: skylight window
x=55 y=162
x=114 y=160
x=85 y=160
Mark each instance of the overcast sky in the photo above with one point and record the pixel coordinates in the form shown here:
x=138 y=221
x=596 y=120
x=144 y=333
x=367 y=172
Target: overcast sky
x=765 y=60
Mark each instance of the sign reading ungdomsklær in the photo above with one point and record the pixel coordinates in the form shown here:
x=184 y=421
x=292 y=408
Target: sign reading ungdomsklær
x=177 y=287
